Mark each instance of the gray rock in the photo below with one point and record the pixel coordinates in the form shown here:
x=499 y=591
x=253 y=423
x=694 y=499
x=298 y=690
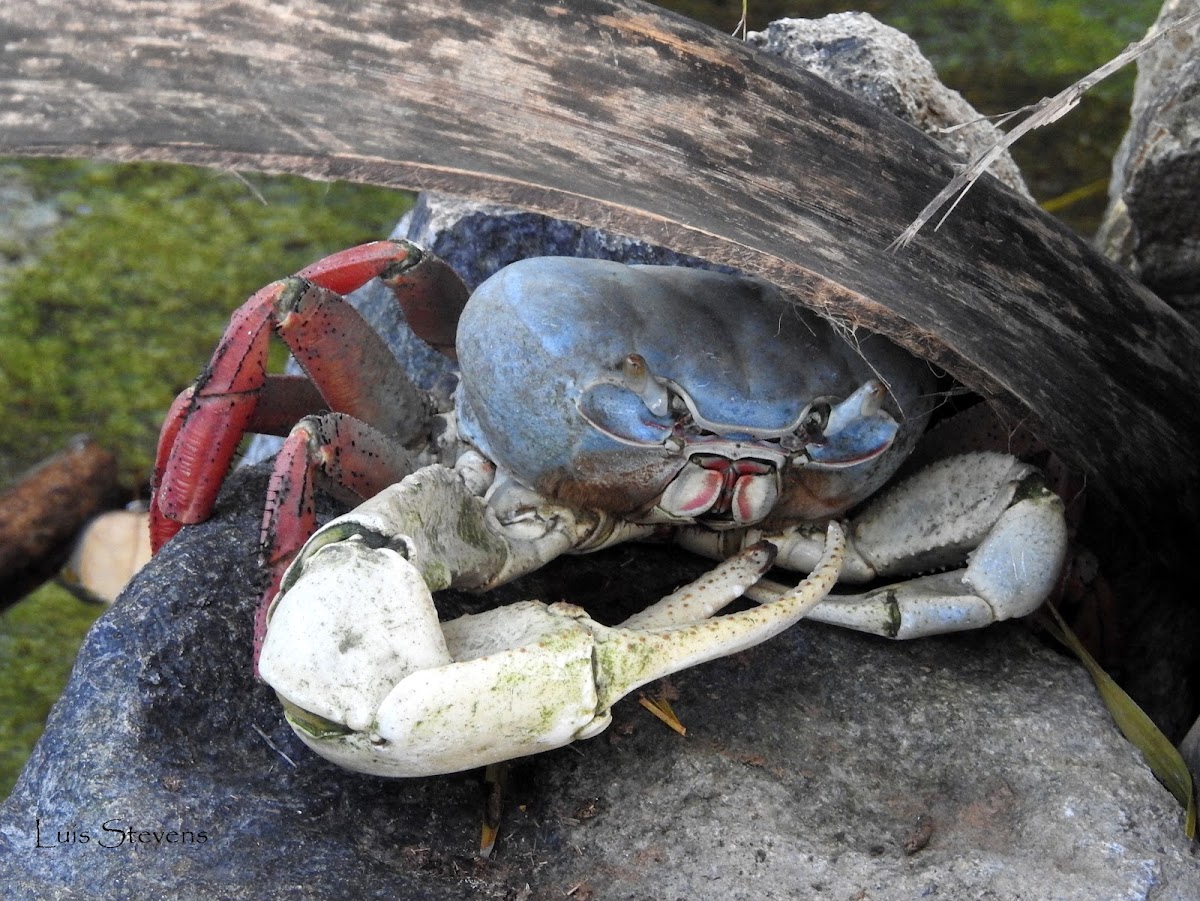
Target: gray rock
x=480 y=239
x=823 y=763
x=862 y=56
x=1152 y=226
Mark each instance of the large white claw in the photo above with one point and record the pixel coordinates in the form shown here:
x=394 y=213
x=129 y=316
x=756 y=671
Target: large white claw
x=373 y=682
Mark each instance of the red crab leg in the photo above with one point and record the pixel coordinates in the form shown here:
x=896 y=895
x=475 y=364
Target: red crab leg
x=349 y=364
x=283 y=401
x=206 y=422
x=429 y=291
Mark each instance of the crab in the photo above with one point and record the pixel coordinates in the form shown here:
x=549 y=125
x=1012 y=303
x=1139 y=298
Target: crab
x=597 y=403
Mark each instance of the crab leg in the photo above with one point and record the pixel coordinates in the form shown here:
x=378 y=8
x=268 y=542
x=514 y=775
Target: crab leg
x=373 y=681
x=628 y=665
x=985 y=518
x=1009 y=574
x=429 y=292
x=350 y=365
x=711 y=593
x=282 y=402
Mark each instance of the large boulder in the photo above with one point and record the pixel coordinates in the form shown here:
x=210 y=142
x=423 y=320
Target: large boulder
x=875 y=62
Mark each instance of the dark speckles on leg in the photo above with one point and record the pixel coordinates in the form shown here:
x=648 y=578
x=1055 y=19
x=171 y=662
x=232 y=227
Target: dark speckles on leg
x=893 y=615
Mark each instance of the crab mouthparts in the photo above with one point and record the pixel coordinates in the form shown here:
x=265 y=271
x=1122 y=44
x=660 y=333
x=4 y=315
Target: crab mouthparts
x=716 y=489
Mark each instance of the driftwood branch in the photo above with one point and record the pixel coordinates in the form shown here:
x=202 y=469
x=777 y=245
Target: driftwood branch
x=41 y=514
x=618 y=114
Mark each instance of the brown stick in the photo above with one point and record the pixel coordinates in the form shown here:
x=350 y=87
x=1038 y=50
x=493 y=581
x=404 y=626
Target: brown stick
x=618 y=114
x=41 y=514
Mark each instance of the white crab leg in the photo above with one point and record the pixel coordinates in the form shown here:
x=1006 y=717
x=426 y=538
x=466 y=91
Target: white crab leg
x=631 y=657
x=989 y=503
x=713 y=591
x=452 y=537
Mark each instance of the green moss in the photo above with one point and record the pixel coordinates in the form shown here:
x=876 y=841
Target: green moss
x=134 y=290
x=313 y=724
x=437 y=575
x=38 y=641
x=473 y=532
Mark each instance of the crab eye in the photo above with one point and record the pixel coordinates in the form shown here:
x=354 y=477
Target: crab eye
x=635 y=373
x=619 y=413
x=635 y=369
x=816 y=418
x=854 y=431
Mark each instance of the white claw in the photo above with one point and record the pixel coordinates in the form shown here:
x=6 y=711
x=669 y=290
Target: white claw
x=374 y=683
x=1017 y=565
x=338 y=653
